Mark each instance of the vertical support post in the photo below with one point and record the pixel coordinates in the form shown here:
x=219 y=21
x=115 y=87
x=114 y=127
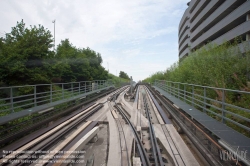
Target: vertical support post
x=167 y=86
x=192 y=95
x=178 y=90
x=35 y=96
x=79 y=88
x=185 y=92
x=11 y=99
x=171 y=88
x=72 y=89
x=85 y=89
x=63 y=90
x=51 y=93
x=223 y=106
x=204 y=100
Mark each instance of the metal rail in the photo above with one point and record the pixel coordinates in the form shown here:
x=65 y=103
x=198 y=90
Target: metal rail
x=75 y=140
x=179 y=117
x=143 y=155
x=164 y=117
x=211 y=100
x=119 y=125
x=115 y=95
x=35 y=123
x=155 y=147
x=29 y=96
x=113 y=98
x=51 y=138
x=162 y=113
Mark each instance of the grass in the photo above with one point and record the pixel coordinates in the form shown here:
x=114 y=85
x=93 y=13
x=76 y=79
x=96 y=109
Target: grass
x=221 y=66
x=117 y=81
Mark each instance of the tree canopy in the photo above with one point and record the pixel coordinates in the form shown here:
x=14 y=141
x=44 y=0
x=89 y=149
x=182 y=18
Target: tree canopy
x=124 y=75
x=27 y=57
x=24 y=55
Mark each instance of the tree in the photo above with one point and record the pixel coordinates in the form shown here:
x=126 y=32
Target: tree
x=27 y=58
x=124 y=75
x=25 y=55
x=78 y=64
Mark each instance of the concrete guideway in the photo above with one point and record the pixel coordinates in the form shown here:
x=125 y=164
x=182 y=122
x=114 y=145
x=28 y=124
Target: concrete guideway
x=230 y=139
x=114 y=156
x=178 y=152
x=154 y=108
x=181 y=155
x=174 y=144
x=121 y=147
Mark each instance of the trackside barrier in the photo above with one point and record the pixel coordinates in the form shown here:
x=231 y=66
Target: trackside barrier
x=213 y=101
x=17 y=98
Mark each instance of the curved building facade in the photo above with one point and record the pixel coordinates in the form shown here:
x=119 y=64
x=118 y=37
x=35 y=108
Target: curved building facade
x=213 y=21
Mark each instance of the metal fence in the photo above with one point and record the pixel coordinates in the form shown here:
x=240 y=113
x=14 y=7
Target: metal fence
x=16 y=98
x=231 y=107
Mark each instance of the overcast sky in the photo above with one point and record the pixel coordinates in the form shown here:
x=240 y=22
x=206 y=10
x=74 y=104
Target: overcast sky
x=139 y=37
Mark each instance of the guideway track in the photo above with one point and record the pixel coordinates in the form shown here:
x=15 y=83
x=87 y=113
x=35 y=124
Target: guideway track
x=42 y=143
x=124 y=151
x=179 y=117
x=155 y=147
x=8 y=137
x=143 y=155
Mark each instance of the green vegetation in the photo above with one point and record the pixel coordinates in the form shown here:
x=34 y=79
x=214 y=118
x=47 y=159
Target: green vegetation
x=221 y=66
x=27 y=58
x=117 y=81
x=124 y=75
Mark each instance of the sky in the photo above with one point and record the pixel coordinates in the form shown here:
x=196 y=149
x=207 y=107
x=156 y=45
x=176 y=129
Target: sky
x=139 y=37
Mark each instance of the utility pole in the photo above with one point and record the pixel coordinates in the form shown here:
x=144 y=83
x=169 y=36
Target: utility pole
x=54 y=21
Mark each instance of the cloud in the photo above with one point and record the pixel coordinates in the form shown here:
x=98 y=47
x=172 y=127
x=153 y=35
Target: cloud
x=117 y=29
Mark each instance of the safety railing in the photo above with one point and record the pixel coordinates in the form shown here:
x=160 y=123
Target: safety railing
x=226 y=105
x=16 y=98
